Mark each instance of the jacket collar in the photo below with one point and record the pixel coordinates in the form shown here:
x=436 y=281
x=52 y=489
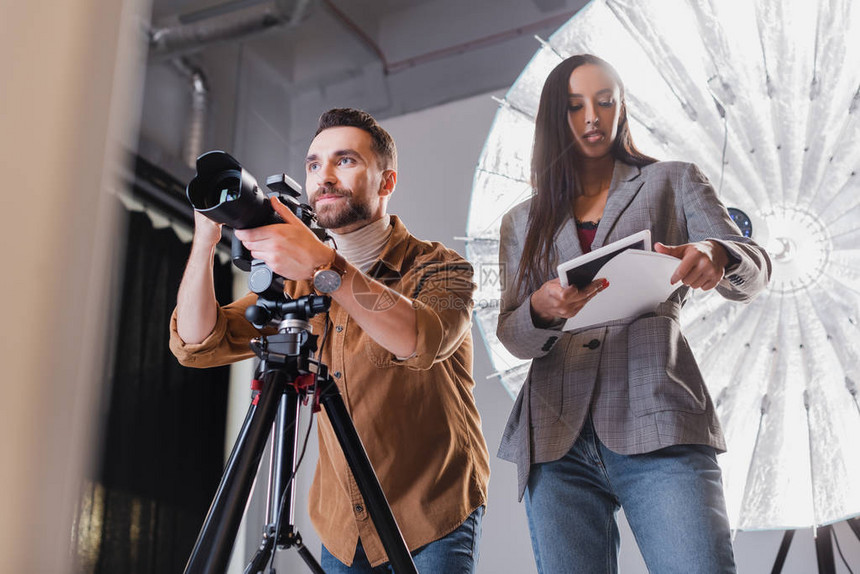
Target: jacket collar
x=623 y=187
x=394 y=252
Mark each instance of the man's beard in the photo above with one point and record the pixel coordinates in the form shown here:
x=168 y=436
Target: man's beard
x=351 y=211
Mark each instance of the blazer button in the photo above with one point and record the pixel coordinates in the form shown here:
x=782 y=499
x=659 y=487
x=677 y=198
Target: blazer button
x=549 y=343
x=592 y=344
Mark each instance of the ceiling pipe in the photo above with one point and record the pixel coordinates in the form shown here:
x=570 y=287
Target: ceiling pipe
x=173 y=41
x=198 y=116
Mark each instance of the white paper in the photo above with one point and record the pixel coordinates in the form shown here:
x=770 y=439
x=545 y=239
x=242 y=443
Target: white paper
x=640 y=240
x=638 y=282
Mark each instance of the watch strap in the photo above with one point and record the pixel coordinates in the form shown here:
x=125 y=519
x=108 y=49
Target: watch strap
x=337 y=264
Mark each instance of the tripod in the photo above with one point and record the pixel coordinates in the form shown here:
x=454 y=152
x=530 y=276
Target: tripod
x=286 y=373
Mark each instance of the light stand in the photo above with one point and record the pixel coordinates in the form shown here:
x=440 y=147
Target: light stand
x=823 y=547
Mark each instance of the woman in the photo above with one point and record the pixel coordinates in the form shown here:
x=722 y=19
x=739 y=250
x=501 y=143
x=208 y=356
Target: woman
x=617 y=414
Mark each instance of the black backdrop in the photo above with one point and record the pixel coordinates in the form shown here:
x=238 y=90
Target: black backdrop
x=163 y=435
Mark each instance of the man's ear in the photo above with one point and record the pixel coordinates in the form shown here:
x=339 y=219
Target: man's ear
x=389 y=181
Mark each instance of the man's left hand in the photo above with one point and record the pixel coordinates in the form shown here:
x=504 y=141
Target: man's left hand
x=290 y=249
x=703 y=263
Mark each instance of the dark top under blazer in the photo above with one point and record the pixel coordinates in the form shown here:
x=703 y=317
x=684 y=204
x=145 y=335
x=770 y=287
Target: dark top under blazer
x=637 y=376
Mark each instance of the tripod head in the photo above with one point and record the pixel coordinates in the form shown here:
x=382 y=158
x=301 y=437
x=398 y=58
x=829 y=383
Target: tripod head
x=273 y=306
x=294 y=343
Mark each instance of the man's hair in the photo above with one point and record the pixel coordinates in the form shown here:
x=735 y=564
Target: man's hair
x=382 y=143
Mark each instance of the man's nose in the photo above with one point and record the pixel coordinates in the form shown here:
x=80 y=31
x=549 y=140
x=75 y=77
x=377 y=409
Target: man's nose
x=326 y=175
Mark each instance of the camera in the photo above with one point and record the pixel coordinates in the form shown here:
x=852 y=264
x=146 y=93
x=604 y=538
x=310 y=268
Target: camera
x=225 y=192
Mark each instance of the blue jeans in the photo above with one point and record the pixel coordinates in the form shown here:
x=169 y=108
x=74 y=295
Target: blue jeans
x=454 y=553
x=673 y=500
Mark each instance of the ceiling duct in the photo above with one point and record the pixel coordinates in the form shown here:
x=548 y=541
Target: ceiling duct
x=198 y=116
x=172 y=41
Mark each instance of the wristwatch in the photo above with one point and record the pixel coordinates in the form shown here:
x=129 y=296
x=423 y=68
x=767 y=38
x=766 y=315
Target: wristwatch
x=328 y=277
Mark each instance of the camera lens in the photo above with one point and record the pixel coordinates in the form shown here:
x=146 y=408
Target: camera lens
x=225 y=188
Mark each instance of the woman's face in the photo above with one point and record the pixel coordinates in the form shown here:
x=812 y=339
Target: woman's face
x=593 y=111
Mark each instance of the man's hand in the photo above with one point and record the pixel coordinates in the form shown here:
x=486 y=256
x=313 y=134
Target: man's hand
x=703 y=264
x=207 y=233
x=552 y=301
x=290 y=249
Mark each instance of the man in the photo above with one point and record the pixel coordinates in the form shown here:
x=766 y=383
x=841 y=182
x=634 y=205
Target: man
x=399 y=348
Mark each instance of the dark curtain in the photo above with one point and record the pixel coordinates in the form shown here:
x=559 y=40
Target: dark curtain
x=163 y=439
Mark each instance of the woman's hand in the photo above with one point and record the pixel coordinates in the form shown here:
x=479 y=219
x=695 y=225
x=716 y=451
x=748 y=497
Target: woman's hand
x=703 y=263
x=552 y=301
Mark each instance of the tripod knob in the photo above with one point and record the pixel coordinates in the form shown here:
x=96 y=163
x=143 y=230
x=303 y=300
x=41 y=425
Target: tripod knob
x=258 y=316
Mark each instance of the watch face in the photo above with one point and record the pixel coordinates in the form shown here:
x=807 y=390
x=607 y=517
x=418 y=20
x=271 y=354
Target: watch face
x=327 y=280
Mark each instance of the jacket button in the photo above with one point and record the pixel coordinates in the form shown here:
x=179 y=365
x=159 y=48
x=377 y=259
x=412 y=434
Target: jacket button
x=337 y=374
x=592 y=344
x=358 y=509
x=339 y=328
x=549 y=343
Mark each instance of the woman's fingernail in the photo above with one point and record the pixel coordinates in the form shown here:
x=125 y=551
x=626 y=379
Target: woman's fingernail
x=605 y=284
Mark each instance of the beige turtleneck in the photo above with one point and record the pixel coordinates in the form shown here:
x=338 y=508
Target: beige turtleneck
x=363 y=246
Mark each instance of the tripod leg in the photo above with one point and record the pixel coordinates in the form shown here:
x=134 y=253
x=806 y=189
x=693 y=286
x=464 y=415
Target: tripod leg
x=309 y=558
x=214 y=544
x=824 y=550
x=365 y=477
x=783 y=552
x=281 y=491
x=854 y=523
x=283 y=462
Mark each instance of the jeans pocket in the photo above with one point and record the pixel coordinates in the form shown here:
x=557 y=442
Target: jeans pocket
x=662 y=372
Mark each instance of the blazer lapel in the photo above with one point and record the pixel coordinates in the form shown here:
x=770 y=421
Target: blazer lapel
x=623 y=188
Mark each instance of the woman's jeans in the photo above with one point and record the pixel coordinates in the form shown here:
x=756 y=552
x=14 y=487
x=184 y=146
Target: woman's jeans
x=454 y=553
x=673 y=500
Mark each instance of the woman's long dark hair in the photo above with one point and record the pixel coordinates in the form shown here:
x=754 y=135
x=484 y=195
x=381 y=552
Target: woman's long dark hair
x=554 y=161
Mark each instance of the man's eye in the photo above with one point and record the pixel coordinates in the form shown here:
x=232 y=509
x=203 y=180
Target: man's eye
x=345 y=161
x=313 y=166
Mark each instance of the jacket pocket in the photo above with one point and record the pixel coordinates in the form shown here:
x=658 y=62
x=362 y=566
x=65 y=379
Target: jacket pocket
x=546 y=386
x=662 y=372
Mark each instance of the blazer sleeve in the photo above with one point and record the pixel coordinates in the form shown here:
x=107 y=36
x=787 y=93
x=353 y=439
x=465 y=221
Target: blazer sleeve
x=708 y=219
x=515 y=328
